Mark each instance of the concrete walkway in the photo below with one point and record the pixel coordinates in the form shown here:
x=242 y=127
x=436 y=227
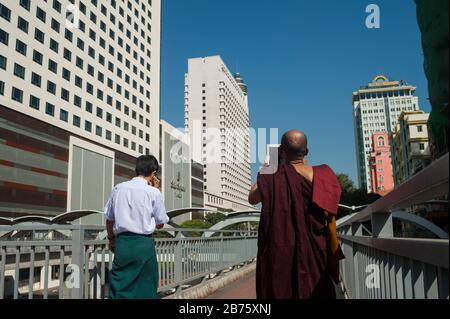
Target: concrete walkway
x=244 y=289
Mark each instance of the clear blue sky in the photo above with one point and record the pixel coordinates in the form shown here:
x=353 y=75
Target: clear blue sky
x=301 y=60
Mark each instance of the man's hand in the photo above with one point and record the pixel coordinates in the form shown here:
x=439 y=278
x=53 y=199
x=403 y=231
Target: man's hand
x=254 y=197
x=112 y=244
x=156 y=183
x=111 y=236
x=160 y=226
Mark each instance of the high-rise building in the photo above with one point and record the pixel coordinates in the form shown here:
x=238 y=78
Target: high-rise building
x=76 y=81
x=376 y=108
x=410 y=145
x=381 y=164
x=217 y=120
x=181 y=175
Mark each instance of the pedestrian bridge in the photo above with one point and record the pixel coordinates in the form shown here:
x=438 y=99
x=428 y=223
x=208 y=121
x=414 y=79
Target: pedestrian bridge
x=63 y=260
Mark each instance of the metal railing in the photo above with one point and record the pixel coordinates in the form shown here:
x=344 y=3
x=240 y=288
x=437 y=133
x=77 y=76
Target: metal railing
x=77 y=266
x=381 y=266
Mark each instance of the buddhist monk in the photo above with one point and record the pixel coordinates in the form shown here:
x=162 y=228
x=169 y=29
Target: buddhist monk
x=298 y=251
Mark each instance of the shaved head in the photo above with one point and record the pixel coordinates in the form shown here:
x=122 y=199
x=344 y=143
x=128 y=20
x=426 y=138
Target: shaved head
x=295 y=144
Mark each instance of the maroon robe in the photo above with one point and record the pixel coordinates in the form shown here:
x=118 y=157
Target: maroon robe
x=292 y=252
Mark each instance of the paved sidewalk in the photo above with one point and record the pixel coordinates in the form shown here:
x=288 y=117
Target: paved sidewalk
x=246 y=289
x=242 y=289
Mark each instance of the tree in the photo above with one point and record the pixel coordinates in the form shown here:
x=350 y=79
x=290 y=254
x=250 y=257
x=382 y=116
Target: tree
x=214 y=218
x=195 y=224
x=346 y=183
x=352 y=196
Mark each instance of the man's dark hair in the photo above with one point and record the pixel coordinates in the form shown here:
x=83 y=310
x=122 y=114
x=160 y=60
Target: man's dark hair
x=146 y=165
x=295 y=144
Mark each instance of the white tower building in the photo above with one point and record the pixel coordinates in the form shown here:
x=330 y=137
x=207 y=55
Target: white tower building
x=377 y=108
x=79 y=100
x=91 y=68
x=217 y=119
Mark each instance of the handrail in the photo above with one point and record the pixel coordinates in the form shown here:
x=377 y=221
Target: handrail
x=430 y=183
x=382 y=266
x=181 y=261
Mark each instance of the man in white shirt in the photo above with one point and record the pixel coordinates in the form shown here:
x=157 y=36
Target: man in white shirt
x=133 y=213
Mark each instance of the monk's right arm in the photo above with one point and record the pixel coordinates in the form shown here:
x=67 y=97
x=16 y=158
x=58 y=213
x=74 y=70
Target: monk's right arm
x=254 y=198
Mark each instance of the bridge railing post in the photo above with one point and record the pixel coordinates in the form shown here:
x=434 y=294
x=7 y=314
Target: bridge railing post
x=178 y=260
x=222 y=252
x=356 y=229
x=78 y=261
x=382 y=225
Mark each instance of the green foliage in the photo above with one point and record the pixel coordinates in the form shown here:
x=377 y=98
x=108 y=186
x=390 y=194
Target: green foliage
x=162 y=234
x=346 y=183
x=195 y=224
x=214 y=218
x=352 y=196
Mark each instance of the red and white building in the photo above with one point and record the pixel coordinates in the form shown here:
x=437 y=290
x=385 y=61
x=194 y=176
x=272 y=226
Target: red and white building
x=381 y=164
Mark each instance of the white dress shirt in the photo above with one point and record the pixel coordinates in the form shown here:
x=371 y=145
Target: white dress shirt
x=136 y=207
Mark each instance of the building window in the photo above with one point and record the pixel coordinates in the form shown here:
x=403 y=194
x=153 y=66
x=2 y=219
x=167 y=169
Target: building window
x=422 y=147
x=79 y=63
x=92 y=35
x=90 y=88
x=36 y=79
x=66 y=74
x=17 y=95
x=54 y=46
x=67 y=55
x=40 y=14
x=77 y=101
x=79 y=82
x=381 y=141
x=34 y=102
x=2 y=88
x=98 y=131
x=4 y=37
x=39 y=35
x=80 y=44
x=99 y=112
x=64 y=116
x=50 y=109
x=19 y=71
x=55 y=25
x=57 y=6
x=90 y=70
x=51 y=87
x=21 y=47
x=53 y=66
x=88 y=126
x=68 y=35
x=65 y=95
x=76 y=121
x=22 y=24
x=3 y=62
x=89 y=107
x=420 y=128
x=37 y=57
x=108 y=135
x=25 y=4
x=5 y=13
